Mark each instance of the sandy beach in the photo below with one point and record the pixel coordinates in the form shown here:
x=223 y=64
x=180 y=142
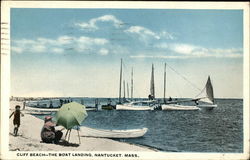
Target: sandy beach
x=28 y=138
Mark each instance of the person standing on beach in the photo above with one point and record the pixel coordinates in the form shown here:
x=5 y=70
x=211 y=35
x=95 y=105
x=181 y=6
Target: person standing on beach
x=16 y=120
x=48 y=133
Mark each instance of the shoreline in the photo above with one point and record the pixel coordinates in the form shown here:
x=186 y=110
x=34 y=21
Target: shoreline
x=28 y=138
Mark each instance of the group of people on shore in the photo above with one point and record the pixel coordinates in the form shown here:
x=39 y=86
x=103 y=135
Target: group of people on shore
x=48 y=133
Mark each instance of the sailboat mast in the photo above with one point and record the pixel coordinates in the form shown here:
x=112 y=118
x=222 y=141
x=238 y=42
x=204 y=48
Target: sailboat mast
x=164 y=96
x=127 y=90
x=152 y=86
x=124 y=89
x=132 y=81
x=120 y=88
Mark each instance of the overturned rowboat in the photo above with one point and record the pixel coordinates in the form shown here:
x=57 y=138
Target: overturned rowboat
x=102 y=133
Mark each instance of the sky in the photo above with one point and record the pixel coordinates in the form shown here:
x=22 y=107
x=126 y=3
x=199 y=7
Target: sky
x=77 y=52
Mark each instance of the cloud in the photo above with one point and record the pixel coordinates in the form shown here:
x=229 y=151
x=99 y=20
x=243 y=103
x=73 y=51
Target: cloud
x=91 y=25
x=90 y=41
x=57 y=50
x=68 y=44
x=82 y=44
x=62 y=40
x=159 y=56
x=103 y=51
x=144 y=34
x=183 y=48
x=166 y=35
x=188 y=56
x=38 y=48
x=189 y=50
x=16 y=49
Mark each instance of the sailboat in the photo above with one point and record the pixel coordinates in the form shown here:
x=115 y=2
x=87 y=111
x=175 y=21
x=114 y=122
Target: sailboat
x=139 y=105
x=174 y=105
x=208 y=100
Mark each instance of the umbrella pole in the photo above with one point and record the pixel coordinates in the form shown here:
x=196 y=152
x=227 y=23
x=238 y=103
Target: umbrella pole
x=66 y=134
x=69 y=134
x=79 y=136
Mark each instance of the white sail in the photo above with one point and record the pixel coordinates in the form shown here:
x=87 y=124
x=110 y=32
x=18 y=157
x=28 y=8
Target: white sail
x=208 y=91
x=209 y=96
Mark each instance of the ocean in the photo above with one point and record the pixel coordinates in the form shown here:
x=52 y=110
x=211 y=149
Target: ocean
x=217 y=130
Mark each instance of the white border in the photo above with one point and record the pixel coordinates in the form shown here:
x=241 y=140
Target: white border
x=5 y=70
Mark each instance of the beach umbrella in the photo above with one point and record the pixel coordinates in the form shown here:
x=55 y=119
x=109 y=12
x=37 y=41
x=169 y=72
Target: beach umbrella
x=70 y=115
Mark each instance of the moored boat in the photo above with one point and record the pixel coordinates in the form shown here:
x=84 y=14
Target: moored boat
x=150 y=104
x=175 y=105
x=207 y=101
x=137 y=105
x=179 y=107
x=102 y=133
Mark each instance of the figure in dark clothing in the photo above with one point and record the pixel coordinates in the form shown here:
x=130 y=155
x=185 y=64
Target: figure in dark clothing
x=170 y=99
x=50 y=105
x=16 y=119
x=196 y=102
x=48 y=133
x=151 y=97
x=61 y=102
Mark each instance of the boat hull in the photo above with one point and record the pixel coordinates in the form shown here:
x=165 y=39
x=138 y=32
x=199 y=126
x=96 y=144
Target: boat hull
x=37 y=112
x=131 y=107
x=179 y=107
x=108 y=107
x=101 y=133
x=207 y=106
x=41 y=109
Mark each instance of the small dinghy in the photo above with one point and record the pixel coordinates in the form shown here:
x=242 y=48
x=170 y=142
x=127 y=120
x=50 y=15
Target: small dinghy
x=102 y=133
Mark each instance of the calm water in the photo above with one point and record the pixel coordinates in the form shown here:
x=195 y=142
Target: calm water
x=218 y=130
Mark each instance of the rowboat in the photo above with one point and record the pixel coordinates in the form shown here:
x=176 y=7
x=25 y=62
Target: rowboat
x=102 y=133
